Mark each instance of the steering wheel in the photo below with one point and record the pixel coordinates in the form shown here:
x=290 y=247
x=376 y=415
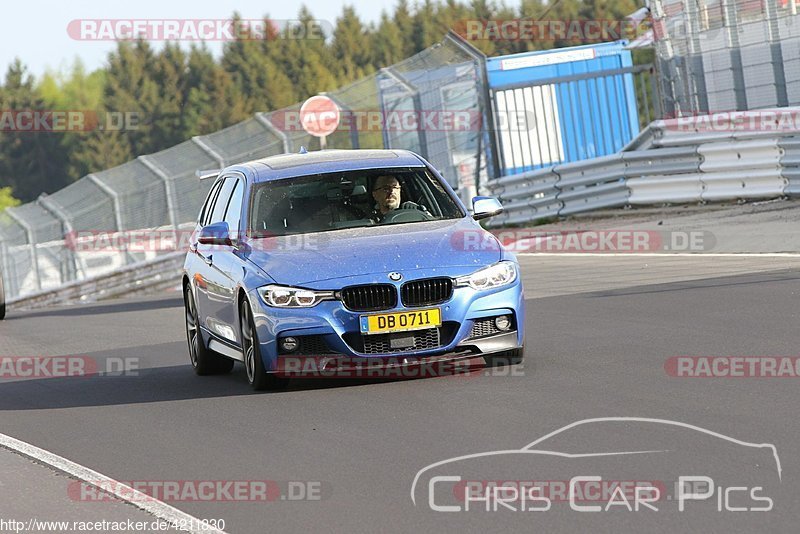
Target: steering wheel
x=406 y=215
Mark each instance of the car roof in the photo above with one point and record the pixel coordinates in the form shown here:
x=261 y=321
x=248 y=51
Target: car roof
x=326 y=161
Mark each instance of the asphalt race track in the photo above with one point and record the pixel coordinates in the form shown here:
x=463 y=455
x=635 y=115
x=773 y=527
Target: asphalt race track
x=600 y=332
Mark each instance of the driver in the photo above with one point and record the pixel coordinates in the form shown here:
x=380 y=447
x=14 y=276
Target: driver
x=386 y=192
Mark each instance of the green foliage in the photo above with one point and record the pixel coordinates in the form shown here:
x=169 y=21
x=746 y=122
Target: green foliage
x=30 y=162
x=6 y=200
x=212 y=100
x=306 y=62
x=350 y=49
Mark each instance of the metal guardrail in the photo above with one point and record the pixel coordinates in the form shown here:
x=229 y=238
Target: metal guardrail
x=790 y=164
x=669 y=162
x=134 y=278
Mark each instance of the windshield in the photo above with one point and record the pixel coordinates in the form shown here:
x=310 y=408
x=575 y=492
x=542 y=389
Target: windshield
x=323 y=202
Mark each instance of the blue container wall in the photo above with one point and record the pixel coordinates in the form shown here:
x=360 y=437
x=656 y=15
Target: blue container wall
x=597 y=116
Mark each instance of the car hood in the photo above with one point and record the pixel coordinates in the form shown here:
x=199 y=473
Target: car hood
x=308 y=258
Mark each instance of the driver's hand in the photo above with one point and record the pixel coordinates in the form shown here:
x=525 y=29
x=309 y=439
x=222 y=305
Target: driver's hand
x=412 y=206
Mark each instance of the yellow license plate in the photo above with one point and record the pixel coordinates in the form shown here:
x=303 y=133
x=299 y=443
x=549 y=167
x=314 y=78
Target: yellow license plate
x=401 y=321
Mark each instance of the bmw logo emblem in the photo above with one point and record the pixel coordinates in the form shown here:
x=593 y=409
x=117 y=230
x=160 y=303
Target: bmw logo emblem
x=395 y=277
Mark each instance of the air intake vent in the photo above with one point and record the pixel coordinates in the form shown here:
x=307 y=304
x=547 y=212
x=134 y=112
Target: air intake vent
x=426 y=292
x=373 y=297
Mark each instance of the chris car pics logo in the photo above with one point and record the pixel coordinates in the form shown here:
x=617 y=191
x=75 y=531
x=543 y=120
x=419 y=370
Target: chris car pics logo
x=566 y=469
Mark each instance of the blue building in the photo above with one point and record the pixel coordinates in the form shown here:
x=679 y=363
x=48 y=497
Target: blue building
x=562 y=105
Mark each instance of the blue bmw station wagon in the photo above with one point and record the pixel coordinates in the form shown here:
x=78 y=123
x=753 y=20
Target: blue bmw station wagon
x=350 y=257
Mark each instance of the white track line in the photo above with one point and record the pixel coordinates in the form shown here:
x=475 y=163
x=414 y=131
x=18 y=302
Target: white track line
x=666 y=254
x=108 y=485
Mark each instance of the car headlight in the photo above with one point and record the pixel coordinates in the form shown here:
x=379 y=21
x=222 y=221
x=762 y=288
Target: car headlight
x=497 y=275
x=292 y=297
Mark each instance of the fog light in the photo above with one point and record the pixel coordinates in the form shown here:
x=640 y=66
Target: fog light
x=289 y=344
x=503 y=323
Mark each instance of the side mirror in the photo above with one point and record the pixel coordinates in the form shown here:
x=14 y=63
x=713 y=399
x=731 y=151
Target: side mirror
x=485 y=207
x=215 y=234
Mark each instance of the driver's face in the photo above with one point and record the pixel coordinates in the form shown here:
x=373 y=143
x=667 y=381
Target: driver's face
x=386 y=193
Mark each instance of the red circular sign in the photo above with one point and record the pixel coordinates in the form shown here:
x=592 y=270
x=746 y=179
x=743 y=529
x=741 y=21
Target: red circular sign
x=319 y=116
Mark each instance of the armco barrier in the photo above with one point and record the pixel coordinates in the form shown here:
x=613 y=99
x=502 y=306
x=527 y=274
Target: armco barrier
x=532 y=191
x=732 y=155
x=592 y=184
x=660 y=161
x=655 y=189
x=678 y=160
x=162 y=271
x=790 y=165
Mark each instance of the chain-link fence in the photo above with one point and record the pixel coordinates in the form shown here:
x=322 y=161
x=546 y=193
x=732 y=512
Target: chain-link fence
x=727 y=55
x=93 y=226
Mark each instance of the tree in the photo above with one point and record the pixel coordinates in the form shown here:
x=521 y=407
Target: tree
x=405 y=24
x=31 y=162
x=305 y=59
x=75 y=91
x=350 y=48
x=132 y=88
x=101 y=150
x=167 y=126
x=425 y=30
x=257 y=77
x=388 y=43
x=212 y=102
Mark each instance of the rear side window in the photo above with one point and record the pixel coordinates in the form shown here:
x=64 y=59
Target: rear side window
x=234 y=212
x=205 y=214
x=218 y=214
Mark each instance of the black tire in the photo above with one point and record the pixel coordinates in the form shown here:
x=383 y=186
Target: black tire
x=257 y=375
x=509 y=357
x=2 y=299
x=204 y=361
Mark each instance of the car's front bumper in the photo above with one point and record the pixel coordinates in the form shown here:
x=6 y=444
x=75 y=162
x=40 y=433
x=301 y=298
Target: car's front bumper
x=331 y=322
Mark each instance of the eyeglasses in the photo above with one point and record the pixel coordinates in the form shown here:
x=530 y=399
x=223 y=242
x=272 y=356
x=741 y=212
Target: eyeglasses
x=388 y=189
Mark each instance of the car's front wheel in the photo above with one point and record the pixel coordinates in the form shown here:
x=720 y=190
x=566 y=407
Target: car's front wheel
x=204 y=361
x=257 y=375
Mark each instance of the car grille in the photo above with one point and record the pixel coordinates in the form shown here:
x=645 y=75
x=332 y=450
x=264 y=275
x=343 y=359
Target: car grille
x=380 y=344
x=373 y=297
x=431 y=338
x=309 y=346
x=483 y=328
x=426 y=292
